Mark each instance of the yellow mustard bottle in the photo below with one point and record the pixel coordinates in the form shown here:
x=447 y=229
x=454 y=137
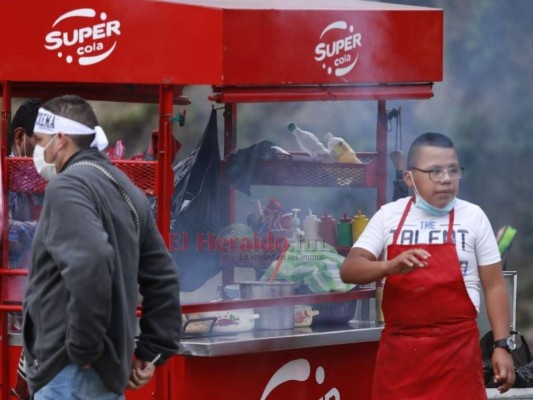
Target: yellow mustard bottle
x=359 y=223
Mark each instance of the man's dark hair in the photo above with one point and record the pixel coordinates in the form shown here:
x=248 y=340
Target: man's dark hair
x=24 y=118
x=77 y=109
x=427 y=139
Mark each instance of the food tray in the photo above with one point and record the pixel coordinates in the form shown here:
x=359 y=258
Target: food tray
x=294 y=170
x=22 y=176
x=338 y=312
x=333 y=312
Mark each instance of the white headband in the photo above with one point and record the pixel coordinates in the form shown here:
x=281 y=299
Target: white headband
x=51 y=124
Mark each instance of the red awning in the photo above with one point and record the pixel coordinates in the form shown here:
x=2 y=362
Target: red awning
x=225 y=43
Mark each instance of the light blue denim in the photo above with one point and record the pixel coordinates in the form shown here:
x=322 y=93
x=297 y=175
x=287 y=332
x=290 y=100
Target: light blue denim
x=76 y=383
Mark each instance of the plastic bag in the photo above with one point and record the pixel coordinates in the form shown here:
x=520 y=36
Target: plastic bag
x=315 y=266
x=524 y=376
x=195 y=210
x=240 y=167
x=522 y=357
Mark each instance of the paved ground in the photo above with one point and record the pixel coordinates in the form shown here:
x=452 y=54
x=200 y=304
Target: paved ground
x=514 y=394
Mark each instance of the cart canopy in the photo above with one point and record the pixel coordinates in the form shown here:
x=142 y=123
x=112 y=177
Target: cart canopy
x=229 y=43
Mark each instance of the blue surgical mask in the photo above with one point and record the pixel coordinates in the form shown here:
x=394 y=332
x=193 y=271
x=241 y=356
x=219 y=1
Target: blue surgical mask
x=423 y=205
x=436 y=211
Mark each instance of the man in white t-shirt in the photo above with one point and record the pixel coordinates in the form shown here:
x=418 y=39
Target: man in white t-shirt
x=435 y=252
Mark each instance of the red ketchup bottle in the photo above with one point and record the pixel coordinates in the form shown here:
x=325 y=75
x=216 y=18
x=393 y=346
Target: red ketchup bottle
x=328 y=229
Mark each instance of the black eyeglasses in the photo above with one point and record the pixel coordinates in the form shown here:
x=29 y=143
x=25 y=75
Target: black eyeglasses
x=438 y=174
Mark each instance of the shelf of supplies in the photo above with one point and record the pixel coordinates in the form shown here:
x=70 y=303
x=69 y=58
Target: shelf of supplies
x=295 y=170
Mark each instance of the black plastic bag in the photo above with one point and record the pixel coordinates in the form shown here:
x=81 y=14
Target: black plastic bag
x=522 y=357
x=524 y=376
x=240 y=167
x=195 y=210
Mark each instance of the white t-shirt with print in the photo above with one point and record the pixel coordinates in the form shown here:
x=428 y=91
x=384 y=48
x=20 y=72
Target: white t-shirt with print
x=473 y=235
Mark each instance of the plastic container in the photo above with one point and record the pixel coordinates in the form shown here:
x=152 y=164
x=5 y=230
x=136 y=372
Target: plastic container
x=340 y=149
x=334 y=312
x=225 y=321
x=359 y=223
x=303 y=315
x=311 y=227
x=296 y=232
x=308 y=142
x=275 y=317
x=328 y=229
x=344 y=231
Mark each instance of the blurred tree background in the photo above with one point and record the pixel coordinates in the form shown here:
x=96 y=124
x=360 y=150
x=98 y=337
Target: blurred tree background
x=485 y=103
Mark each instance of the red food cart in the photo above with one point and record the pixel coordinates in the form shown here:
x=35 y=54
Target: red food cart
x=248 y=51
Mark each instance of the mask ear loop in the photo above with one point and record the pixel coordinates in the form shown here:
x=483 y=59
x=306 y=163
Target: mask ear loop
x=414 y=185
x=23 y=145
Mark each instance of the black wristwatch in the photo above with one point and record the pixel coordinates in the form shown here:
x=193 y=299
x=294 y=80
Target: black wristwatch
x=507 y=344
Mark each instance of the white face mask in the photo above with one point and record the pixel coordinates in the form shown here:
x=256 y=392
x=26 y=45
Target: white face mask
x=46 y=170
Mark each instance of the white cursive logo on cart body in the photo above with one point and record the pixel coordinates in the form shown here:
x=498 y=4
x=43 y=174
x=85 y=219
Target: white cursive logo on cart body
x=90 y=43
x=298 y=370
x=337 y=49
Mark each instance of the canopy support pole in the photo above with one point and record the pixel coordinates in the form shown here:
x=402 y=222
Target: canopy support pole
x=4 y=345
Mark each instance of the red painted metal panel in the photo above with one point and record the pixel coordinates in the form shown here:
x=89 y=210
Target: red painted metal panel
x=330 y=372
x=254 y=94
x=137 y=41
x=141 y=41
x=318 y=47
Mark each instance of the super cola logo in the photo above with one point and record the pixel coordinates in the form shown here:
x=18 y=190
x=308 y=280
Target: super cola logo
x=83 y=36
x=300 y=370
x=338 y=48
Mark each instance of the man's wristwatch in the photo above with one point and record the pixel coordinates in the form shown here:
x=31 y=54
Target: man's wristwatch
x=507 y=344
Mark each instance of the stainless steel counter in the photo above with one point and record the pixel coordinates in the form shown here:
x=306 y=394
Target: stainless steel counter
x=257 y=341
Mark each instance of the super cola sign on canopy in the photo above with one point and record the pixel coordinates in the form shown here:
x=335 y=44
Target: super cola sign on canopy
x=251 y=43
x=83 y=36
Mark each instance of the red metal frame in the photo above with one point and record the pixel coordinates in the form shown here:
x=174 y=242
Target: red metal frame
x=249 y=51
x=6 y=117
x=163 y=183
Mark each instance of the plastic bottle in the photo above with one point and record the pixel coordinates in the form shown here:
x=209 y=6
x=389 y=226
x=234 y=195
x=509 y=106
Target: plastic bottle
x=344 y=231
x=340 y=149
x=255 y=216
x=308 y=142
x=295 y=225
x=311 y=226
x=358 y=225
x=328 y=229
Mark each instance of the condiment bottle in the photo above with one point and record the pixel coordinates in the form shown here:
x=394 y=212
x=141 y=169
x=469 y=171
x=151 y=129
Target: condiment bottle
x=340 y=149
x=358 y=225
x=328 y=229
x=344 y=231
x=311 y=226
x=308 y=142
x=295 y=225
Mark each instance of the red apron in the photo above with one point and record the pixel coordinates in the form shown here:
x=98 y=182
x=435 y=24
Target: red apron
x=429 y=348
